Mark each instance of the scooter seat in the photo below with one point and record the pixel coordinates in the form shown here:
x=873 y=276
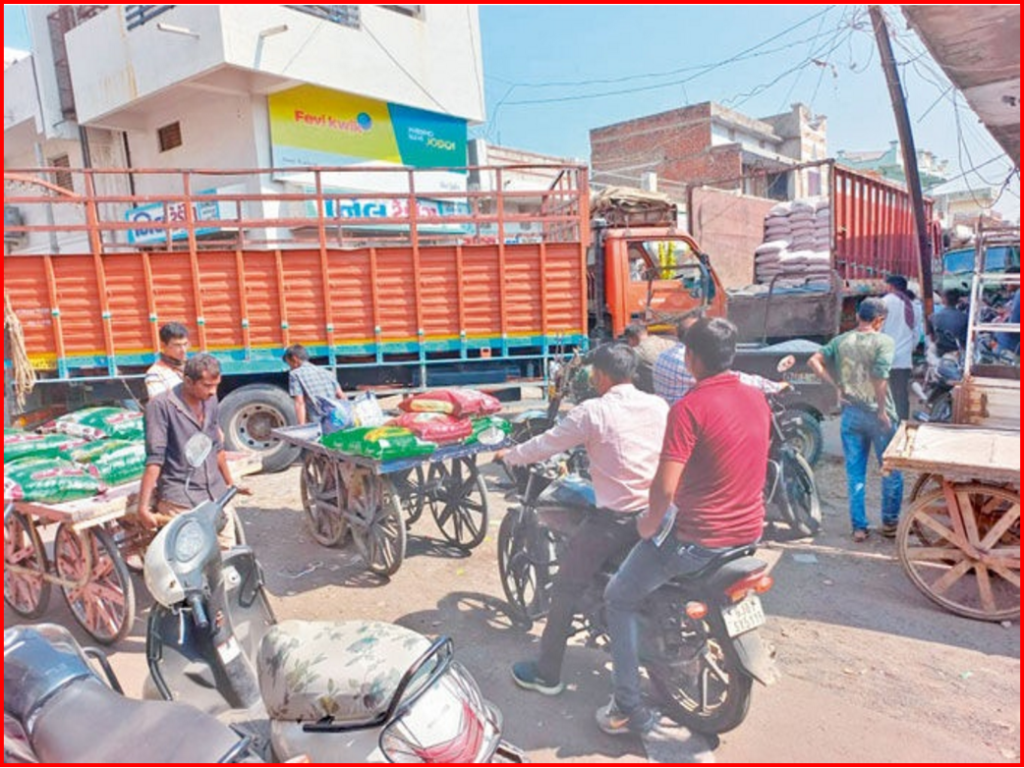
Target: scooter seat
x=88 y=722
x=345 y=672
x=731 y=564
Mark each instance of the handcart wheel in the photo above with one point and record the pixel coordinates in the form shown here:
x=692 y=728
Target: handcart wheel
x=323 y=499
x=411 y=488
x=458 y=501
x=96 y=583
x=375 y=519
x=969 y=560
x=27 y=593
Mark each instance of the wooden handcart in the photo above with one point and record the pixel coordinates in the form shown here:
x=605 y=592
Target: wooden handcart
x=959 y=541
x=373 y=502
x=94 y=539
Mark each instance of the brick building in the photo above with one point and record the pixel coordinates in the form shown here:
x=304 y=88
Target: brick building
x=711 y=144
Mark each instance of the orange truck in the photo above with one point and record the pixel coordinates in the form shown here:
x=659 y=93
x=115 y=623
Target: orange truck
x=410 y=288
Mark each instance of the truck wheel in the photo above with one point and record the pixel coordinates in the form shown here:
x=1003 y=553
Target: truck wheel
x=802 y=430
x=249 y=415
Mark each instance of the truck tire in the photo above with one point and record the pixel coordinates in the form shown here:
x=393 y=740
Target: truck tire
x=249 y=414
x=802 y=430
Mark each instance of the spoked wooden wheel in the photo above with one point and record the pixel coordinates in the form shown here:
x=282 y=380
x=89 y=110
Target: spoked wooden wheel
x=375 y=518
x=411 y=488
x=96 y=583
x=323 y=499
x=26 y=592
x=458 y=502
x=969 y=560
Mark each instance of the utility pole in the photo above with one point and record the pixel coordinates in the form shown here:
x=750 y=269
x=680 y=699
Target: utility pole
x=899 y=108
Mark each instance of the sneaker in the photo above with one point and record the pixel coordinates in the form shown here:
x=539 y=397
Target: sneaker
x=527 y=677
x=615 y=722
x=889 y=530
x=860 y=535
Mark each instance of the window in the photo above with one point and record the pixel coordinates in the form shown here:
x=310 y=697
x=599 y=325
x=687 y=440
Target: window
x=137 y=15
x=346 y=15
x=169 y=136
x=412 y=11
x=62 y=179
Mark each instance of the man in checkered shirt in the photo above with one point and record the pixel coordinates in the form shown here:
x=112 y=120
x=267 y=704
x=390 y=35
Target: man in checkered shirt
x=307 y=384
x=672 y=377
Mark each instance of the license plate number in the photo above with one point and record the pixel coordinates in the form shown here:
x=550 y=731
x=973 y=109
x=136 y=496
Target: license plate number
x=744 y=616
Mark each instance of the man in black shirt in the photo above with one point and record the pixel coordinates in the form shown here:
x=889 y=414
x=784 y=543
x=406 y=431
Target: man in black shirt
x=949 y=324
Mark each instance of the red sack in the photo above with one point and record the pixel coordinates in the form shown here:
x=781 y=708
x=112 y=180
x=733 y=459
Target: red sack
x=456 y=402
x=435 y=427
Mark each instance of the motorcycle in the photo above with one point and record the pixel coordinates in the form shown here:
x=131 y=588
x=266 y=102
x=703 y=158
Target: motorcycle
x=344 y=692
x=699 y=637
x=941 y=376
x=56 y=706
x=791 y=493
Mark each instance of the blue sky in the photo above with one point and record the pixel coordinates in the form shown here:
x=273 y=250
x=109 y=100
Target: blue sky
x=552 y=72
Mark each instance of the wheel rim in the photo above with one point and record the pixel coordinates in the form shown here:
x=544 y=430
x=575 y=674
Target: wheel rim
x=26 y=593
x=928 y=484
x=253 y=425
x=458 y=502
x=411 y=488
x=802 y=494
x=522 y=579
x=101 y=603
x=377 y=526
x=709 y=689
x=323 y=500
x=970 y=561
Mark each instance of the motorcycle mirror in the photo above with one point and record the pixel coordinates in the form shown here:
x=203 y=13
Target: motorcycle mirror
x=785 y=363
x=198 y=449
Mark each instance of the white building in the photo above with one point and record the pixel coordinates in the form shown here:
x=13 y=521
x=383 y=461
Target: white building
x=242 y=87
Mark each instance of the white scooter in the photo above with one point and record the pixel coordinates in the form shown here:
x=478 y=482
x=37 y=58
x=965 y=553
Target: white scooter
x=345 y=692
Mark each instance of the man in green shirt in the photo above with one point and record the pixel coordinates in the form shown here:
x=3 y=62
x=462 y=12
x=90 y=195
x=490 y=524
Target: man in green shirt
x=858 y=364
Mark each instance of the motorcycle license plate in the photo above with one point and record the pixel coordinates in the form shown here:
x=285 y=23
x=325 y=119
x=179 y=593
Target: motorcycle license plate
x=744 y=616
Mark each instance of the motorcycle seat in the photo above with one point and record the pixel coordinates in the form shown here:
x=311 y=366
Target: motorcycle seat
x=344 y=672
x=730 y=565
x=88 y=722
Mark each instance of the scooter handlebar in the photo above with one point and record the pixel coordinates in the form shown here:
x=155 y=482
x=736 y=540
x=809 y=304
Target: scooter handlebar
x=229 y=494
x=199 y=618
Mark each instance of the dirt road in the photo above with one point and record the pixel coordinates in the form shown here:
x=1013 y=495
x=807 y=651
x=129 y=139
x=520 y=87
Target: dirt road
x=872 y=671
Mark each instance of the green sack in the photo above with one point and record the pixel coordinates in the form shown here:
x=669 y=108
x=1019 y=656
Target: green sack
x=21 y=445
x=49 y=481
x=380 y=443
x=485 y=423
x=102 y=422
x=115 y=461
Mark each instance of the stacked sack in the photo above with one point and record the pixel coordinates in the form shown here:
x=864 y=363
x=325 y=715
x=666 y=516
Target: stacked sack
x=428 y=421
x=796 y=248
x=76 y=456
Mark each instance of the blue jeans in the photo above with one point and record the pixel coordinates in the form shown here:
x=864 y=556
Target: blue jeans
x=645 y=569
x=862 y=431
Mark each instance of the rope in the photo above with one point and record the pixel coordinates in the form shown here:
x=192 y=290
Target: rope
x=24 y=373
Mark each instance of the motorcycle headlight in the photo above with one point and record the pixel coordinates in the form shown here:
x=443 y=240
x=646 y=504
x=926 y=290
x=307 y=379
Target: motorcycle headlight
x=448 y=723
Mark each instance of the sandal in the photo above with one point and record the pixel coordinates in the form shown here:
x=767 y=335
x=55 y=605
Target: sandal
x=860 y=535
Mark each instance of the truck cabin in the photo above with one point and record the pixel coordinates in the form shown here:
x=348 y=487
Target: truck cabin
x=653 y=275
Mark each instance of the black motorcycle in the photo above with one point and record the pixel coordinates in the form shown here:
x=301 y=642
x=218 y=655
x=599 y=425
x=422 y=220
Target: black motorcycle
x=790 y=493
x=698 y=636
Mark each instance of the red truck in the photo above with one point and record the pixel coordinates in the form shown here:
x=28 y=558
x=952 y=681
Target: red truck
x=405 y=289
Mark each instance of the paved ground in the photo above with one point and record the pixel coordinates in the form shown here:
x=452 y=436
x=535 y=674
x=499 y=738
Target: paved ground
x=872 y=671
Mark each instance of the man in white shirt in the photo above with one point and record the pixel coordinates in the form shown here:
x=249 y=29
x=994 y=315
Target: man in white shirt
x=622 y=431
x=904 y=324
x=168 y=371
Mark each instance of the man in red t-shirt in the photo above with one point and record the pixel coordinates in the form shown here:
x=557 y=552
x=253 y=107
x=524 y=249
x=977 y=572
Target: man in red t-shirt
x=712 y=470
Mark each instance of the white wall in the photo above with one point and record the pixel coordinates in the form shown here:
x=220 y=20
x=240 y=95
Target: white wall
x=20 y=101
x=113 y=68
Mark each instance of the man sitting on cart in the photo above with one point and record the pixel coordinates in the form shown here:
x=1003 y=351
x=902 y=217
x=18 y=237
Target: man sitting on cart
x=170 y=485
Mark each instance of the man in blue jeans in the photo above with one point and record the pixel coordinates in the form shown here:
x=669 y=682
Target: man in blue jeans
x=858 y=364
x=712 y=470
